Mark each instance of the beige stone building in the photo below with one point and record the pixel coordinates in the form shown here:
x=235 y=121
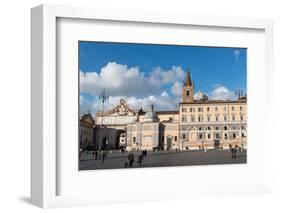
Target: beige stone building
x=198 y=123
x=208 y=123
x=86 y=131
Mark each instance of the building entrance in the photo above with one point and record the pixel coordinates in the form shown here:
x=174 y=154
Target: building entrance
x=169 y=143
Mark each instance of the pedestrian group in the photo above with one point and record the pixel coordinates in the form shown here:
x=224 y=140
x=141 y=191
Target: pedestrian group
x=131 y=159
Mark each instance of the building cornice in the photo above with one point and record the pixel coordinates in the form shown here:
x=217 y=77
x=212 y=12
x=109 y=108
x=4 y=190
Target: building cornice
x=208 y=102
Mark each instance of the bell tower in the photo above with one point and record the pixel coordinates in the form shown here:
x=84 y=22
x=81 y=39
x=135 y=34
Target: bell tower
x=188 y=89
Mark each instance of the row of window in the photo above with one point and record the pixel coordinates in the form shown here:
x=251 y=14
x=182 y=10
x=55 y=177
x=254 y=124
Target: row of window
x=217 y=136
x=208 y=118
x=200 y=109
x=216 y=128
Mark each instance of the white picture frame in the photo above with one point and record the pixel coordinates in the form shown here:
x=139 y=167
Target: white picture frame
x=44 y=135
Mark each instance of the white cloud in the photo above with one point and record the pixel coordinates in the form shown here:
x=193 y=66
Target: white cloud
x=164 y=94
x=117 y=79
x=236 y=54
x=120 y=80
x=222 y=93
x=168 y=76
x=177 y=88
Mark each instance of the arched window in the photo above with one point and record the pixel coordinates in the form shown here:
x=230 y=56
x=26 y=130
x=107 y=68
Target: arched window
x=192 y=129
x=225 y=136
x=225 y=128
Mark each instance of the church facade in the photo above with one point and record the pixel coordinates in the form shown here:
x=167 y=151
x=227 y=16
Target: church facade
x=198 y=123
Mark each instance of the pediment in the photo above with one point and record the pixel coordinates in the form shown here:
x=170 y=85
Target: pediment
x=122 y=109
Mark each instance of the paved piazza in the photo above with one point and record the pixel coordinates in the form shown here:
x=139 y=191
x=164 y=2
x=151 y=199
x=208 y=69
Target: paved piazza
x=164 y=158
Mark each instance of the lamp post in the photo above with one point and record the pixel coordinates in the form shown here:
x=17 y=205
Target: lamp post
x=103 y=97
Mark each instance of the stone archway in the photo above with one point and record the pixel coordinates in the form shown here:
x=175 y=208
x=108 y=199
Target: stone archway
x=117 y=138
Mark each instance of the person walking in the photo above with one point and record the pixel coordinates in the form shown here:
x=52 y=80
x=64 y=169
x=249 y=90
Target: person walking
x=144 y=153
x=231 y=150
x=234 y=152
x=131 y=160
x=140 y=158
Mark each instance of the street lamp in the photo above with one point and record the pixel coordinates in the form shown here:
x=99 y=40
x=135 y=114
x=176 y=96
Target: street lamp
x=103 y=97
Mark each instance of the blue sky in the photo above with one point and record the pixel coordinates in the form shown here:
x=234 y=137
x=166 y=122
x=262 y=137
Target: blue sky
x=161 y=69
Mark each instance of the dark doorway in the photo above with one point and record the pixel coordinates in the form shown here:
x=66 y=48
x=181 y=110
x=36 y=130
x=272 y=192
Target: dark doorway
x=217 y=144
x=104 y=143
x=169 y=143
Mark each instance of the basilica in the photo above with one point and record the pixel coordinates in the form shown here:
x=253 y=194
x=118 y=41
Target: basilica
x=198 y=123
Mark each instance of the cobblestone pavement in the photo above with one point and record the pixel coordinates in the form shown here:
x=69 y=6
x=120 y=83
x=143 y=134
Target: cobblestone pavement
x=163 y=158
